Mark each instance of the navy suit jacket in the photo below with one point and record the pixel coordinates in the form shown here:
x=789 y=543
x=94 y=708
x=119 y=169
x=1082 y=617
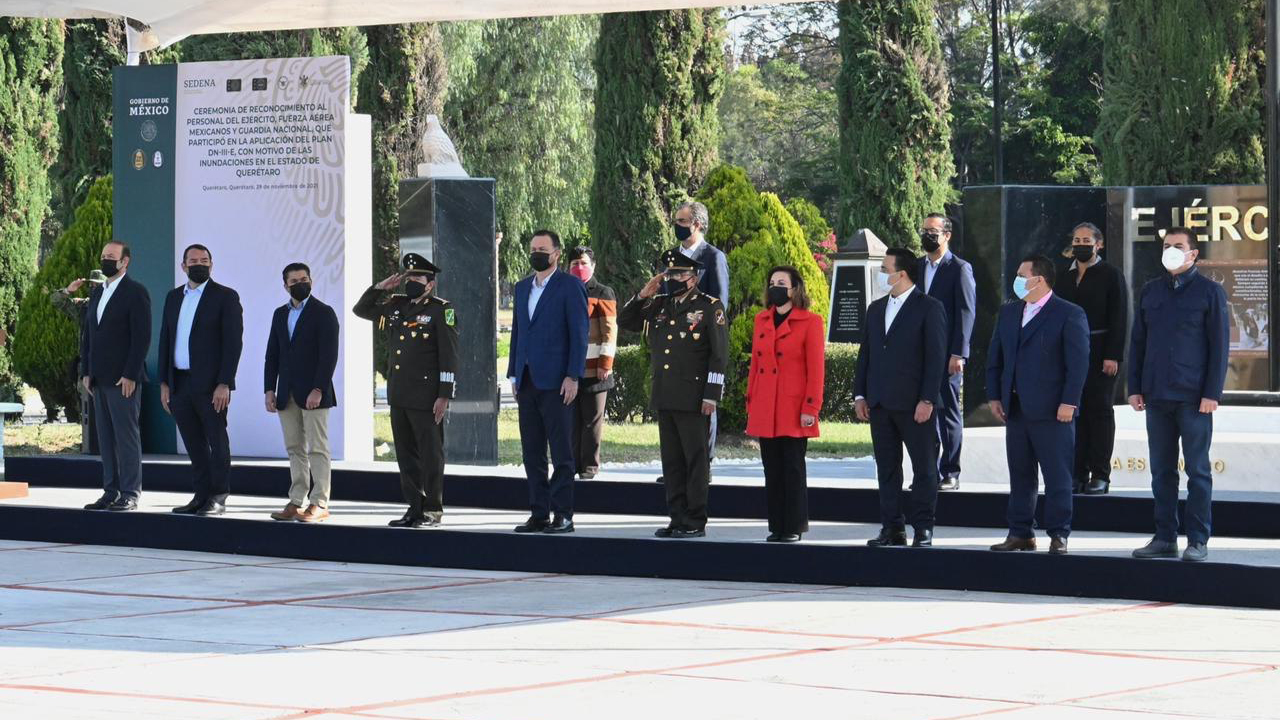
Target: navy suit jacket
x=899 y=369
x=216 y=337
x=116 y=347
x=1046 y=361
x=713 y=278
x=954 y=287
x=296 y=366
x=553 y=343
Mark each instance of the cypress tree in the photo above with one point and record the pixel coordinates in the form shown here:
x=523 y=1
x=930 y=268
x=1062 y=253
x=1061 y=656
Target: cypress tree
x=1182 y=100
x=659 y=78
x=30 y=78
x=895 y=135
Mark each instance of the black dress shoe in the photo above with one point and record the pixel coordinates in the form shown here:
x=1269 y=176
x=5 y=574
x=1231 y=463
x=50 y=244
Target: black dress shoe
x=1057 y=546
x=685 y=533
x=923 y=538
x=1078 y=485
x=533 y=525
x=888 y=538
x=1098 y=486
x=101 y=503
x=559 y=525
x=788 y=538
x=586 y=476
x=774 y=537
x=408 y=521
x=210 y=508
x=662 y=532
x=124 y=504
x=190 y=508
x=949 y=482
x=660 y=479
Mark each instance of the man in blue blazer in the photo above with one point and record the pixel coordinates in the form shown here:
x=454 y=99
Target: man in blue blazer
x=1036 y=368
x=691 y=223
x=548 y=355
x=950 y=280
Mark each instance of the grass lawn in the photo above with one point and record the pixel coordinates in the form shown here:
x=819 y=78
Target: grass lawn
x=638 y=442
x=41 y=439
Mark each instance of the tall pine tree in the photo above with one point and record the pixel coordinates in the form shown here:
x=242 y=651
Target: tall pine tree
x=1182 y=92
x=30 y=79
x=660 y=76
x=895 y=154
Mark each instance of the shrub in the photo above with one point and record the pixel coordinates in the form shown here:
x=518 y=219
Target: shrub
x=47 y=343
x=817 y=232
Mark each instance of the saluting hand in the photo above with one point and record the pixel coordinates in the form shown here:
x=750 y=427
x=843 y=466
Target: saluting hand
x=74 y=286
x=390 y=282
x=651 y=288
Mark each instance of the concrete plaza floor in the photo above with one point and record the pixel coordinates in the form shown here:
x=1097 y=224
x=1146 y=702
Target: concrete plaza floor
x=97 y=633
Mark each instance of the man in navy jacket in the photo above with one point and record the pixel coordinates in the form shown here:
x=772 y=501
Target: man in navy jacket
x=1177 y=369
x=548 y=355
x=1035 y=375
x=950 y=280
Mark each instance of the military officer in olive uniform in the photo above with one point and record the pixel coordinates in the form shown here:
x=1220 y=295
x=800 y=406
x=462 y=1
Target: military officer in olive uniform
x=688 y=346
x=422 y=357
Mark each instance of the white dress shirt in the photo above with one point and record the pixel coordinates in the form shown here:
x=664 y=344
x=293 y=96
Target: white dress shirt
x=535 y=292
x=892 y=307
x=108 y=289
x=689 y=251
x=186 y=317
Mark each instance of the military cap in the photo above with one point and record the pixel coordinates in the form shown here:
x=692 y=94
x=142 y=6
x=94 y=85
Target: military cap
x=415 y=263
x=673 y=259
x=96 y=276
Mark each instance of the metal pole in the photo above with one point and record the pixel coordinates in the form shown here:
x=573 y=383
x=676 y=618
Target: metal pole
x=1273 y=181
x=997 y=133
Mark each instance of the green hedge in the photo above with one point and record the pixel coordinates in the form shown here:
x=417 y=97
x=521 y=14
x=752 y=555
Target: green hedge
x=630 y=400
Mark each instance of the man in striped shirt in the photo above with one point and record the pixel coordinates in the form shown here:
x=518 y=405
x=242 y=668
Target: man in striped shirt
x=602 y=339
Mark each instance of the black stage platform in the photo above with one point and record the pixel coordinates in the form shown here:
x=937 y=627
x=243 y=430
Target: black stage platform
x=1238 y=583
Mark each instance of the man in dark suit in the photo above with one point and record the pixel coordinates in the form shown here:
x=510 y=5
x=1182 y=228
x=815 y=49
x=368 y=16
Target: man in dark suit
x=1035 y=374
x=113 y=346
x=896 y=387
x=302 y=354
x=548 y=355
x=200 y=343
x=949 y=279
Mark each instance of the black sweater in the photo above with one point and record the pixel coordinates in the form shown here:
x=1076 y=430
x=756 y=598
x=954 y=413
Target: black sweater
x=1103 y=297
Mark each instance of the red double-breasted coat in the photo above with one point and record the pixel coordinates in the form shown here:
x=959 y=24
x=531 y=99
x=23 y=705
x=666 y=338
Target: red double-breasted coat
x=787 y=366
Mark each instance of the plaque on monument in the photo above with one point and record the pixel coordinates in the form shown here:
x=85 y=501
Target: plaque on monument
x=848 y=303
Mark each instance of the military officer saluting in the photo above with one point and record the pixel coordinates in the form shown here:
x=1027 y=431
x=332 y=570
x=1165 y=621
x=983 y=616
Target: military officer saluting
x=422 y=357
x=688 y=346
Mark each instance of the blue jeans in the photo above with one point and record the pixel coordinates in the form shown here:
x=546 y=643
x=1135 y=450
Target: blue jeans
x=1167 y=421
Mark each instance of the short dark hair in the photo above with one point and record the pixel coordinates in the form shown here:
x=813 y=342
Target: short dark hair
x=1097 y=233
x=555 y=239
x=946 y=221
x=582 y=251
x=195 y=246
x=294 y=267
x=124 y=248
x=905 y=261
x=799 y=296
x=1192 y=243
x=1041 y=266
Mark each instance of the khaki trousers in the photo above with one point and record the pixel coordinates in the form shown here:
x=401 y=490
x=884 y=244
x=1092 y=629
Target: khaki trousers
x=306 y=438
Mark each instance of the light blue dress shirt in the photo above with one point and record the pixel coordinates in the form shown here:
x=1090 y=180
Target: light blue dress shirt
x=186 y=317
x=535 y=292
x=295 y=312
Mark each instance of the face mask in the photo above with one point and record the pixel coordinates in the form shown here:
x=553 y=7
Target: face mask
x=778 y=295
x=300 y=291
x=1082 y=253
x=109 y=267
x=674 y=287
x=414 y=289
x=930 y=241
x=582 y=272
x=1173 y=258
x=198 y=273
x=882 y=280
x=683 y=233
x=539 y=260
x=1020 y=287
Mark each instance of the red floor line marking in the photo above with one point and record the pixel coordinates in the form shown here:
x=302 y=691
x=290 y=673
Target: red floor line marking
x=732 y=628
x=1044 y=618
x=481 y=613
x=146 y=696
x=125 y=616
x=1138 y=655
x=140 y=556
x=33 y=585
x=942 y=696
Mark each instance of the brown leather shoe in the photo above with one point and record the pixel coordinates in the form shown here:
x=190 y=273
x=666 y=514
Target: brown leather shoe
x=290 y=512
x=314 y=514
x=1058 y=546
x=1012 y=543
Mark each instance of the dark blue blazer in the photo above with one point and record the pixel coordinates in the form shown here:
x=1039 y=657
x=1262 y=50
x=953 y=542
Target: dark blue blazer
x=296 y=366
x=553 y=344
x=713 y=278
x=900 y=368
x=117 y=347
x=954 y=286
x=1049 y=358
x=216 y=337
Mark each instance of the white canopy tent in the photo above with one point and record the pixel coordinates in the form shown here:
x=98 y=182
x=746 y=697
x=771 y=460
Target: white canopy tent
x=157 y=23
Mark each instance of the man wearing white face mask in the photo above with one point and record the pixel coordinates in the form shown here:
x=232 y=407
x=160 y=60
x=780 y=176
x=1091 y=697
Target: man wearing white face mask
x=1177 y=369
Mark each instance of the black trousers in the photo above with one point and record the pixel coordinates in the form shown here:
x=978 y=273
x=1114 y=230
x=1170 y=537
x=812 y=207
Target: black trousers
x=786 y=483
x=1096 y=425
x=890 y=430
x=686 y=466
x=588 y=427
x=204 y=432
x=420 y=455
x=545 y=421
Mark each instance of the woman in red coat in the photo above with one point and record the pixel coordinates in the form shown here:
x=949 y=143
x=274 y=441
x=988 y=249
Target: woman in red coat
x=784 y=396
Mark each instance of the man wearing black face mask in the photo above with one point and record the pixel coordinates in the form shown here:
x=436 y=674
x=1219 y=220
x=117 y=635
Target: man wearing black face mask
x=422 y=357
x=302 y=354
x=1098 y=288
x=201 y=336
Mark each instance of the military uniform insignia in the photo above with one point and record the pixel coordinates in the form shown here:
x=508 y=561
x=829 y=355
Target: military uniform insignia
x=423 y=319
x=682 y=334
x=449 y=317
x=719 y=317
x=693 y=318
x=696 y=336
